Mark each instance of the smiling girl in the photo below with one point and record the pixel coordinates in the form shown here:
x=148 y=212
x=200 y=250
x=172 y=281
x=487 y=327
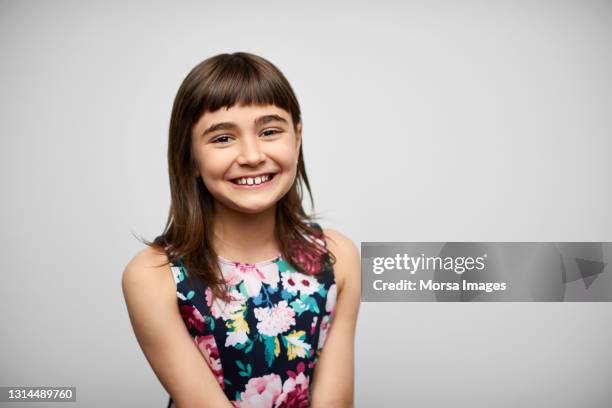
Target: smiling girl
x=243 y=300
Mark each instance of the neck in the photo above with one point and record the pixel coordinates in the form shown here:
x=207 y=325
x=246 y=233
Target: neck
x=244 y=237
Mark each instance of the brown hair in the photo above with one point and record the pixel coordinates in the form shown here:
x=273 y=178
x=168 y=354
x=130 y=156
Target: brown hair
x=223 y=81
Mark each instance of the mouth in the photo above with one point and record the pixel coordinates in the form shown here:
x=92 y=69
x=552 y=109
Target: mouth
x=254 y=182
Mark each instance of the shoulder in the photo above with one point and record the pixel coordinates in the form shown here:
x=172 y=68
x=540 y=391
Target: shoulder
x=148 y=270
x=339 y=241
x=348 y=261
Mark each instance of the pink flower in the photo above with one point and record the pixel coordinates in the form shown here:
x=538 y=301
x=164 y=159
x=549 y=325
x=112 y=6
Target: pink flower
x=208 y=348
x=295 y=390
x=220 y=308
x=192 y=317
x=252 y=276
x=313 y=325
x=323 y=330
x=261 y=392
x=276 y=320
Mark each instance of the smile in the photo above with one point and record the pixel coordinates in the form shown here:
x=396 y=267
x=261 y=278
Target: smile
x=254 y=181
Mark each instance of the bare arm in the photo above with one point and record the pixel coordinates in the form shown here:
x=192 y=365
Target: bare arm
x=150 y=296
x=333 y=382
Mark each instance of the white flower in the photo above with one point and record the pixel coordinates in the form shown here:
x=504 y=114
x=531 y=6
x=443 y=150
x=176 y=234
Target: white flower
x=330 y=304
x=276 y=320
x=225 y=310
x=295 y=282
x=235 y=337
x=289 y=282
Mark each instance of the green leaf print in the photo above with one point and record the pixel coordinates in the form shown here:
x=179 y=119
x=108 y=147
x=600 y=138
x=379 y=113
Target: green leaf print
x=249 y=347
x=298 y=306
x=284 y=266
x=240 y=365
x=312 y=304
x=322 y=291
x=190 y=294
x=247 y=372
x=270 y=343
x=243 y=290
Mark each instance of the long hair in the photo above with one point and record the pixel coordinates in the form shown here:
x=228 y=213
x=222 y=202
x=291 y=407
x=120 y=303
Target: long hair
x=223 y=81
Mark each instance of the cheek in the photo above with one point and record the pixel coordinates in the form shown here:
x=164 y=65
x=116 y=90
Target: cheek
x=212 y=164
x=285 y=155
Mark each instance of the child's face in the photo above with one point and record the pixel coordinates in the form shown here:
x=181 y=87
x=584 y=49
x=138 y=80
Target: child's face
x=243 y=141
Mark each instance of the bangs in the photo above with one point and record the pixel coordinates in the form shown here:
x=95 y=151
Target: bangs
x=235 y=80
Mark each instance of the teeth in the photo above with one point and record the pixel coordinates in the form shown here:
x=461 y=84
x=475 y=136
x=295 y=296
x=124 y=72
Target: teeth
x=253 y=181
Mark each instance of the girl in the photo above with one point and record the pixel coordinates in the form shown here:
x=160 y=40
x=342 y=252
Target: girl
x=243 y=300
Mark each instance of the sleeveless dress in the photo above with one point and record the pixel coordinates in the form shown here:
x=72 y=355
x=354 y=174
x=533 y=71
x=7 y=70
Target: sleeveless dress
x=263 y=345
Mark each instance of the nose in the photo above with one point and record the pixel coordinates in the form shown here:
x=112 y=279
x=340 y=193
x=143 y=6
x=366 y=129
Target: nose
x=251 y=153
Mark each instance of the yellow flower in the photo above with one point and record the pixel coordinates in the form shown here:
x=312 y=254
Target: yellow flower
x=296 y=347
x=239 y=324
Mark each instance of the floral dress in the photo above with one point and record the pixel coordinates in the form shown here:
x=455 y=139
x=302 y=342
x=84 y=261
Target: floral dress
x=262 y=346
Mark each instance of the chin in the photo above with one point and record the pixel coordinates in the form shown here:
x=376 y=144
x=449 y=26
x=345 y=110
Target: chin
x=253 y=209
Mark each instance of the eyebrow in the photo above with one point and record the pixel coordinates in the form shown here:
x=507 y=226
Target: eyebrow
x=262 y=120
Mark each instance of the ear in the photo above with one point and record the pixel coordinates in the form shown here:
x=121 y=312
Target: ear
x=298 y=136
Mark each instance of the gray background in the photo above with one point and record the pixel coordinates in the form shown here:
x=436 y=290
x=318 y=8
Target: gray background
x=423 y=121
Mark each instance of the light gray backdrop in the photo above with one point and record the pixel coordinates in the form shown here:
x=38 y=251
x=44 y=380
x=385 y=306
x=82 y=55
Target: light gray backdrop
x=423 y=121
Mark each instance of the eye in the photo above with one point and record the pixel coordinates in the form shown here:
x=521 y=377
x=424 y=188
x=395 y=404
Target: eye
x=221 y=139
x=270 y=132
